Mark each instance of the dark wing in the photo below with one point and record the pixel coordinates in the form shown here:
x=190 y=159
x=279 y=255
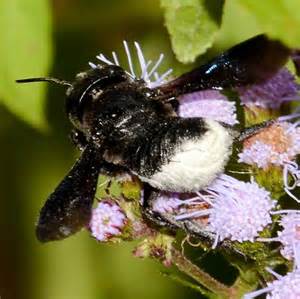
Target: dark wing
x=296 y=61
x=252 y=61
x=68 y=208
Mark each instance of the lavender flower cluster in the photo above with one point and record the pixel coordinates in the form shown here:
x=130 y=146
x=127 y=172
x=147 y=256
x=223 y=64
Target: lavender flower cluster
x=229 y=208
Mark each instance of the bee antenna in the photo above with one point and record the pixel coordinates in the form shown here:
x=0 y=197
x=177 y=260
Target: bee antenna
x=53 y=80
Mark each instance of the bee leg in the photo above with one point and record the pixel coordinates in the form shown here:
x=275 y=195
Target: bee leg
x=250 y=131
x=158 y=220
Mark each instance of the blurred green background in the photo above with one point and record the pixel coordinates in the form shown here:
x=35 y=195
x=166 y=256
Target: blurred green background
x=33 y=161
x=59 y=38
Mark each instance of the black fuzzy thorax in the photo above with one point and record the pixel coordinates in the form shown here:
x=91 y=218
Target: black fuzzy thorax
x=161 y=139
x=137 y=131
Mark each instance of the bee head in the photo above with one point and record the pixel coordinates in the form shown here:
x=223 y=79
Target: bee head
x=89 y=85
x=86 y=86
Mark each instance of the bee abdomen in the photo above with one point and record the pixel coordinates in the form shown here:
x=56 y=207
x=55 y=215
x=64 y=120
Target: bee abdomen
x=187 y=157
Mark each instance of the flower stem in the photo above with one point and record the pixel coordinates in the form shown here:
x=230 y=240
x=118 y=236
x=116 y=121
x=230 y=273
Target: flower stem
x=203 y=278
x=189 y=284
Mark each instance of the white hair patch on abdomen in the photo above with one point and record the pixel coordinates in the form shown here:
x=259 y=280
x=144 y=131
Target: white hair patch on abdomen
x=196 y=162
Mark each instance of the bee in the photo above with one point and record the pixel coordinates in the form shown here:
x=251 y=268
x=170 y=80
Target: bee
x=122 y=123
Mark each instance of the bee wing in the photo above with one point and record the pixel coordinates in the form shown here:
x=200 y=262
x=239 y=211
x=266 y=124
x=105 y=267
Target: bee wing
x=252 y=61
x=68 y=208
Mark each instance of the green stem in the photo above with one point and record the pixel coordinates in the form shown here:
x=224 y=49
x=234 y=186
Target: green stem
x=189 y=284
x=203 y=278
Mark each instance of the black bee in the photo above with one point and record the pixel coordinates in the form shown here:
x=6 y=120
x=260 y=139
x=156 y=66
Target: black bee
x=122 y=123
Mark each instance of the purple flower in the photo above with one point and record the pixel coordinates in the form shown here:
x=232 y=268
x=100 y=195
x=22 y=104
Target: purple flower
x=166 y=203
x=238 y=210
x=148 y=69
x=107 y=221
x=283 y=287
x=291 y=169
x=170 y=202
x=259 y=154
x=209 y=104
x=279 y=89
x=289 y=236
x=275 y=145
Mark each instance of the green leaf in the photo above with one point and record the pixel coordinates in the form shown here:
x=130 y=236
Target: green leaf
x=279 y=19
x=25 y=51
x=131 y=189
x=193 y=25
x=238 y=24
x=108 y=187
